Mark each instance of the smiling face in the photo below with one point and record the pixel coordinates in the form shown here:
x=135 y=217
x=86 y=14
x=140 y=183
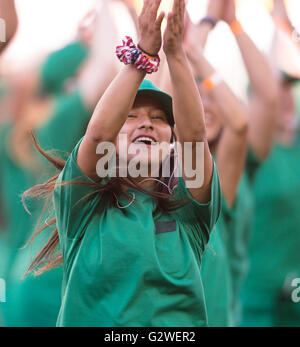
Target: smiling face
x=145 y=128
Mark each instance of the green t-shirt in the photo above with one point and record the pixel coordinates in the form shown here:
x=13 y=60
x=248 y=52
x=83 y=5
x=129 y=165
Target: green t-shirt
x=61 y=66
x=131 y=267
x=62 y=131
x=217 y=280
x=226 y=258
x=274 y=245
x=238 y=220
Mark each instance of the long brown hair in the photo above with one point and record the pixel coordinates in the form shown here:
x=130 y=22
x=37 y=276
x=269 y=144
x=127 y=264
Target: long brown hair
x=50 y=256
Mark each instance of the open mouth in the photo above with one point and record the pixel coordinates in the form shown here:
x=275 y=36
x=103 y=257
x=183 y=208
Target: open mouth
x=145 y=140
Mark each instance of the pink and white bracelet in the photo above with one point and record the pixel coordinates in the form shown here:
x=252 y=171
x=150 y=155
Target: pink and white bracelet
x=129 y=53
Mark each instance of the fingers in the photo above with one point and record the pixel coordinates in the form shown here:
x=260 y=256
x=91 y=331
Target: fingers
x=150 y=8
x=155 y=7
x=159 y=20
x=170 y=22
x=179 y=11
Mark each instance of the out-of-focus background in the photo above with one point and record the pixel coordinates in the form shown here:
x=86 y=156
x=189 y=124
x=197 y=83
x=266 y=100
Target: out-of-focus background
x=50 y=29
x=53 y=73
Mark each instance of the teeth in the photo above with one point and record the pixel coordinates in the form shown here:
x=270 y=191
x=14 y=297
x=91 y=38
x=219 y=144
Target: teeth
x=143 y=139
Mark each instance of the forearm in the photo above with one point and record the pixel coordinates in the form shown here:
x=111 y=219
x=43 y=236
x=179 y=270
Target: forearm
x=114 y=106
x=109 y=117
x=262 y=79
x=203 y=33
x=263 y=105
x=233 y=142
x=189 y=119
x=188 y=108
x=231 y=109
x=9 y=15
x=231 y=157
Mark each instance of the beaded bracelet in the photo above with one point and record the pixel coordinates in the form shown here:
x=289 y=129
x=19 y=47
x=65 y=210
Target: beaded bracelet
x=129 y=53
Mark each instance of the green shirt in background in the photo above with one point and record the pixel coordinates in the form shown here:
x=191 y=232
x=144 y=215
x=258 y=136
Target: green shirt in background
x=275 y=241
x=131 y=267
x=238 y=225
x=217 y=280
x=62 y=65
x=225 y=262
x=33 y=301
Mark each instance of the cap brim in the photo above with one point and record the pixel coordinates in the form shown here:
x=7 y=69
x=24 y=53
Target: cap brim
x=164 y=99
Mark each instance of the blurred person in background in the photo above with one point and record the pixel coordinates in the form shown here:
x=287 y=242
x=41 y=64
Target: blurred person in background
x=275 y=242
x=58 y=121
x=226 y=122
x=226 y=134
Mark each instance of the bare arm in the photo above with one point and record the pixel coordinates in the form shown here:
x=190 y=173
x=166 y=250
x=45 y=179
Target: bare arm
x=197 y=35
x=231 y=152
x=281 y=18
x=9 y=16
x=263 y=105
x=101 y=66
x=187 y=105
x=115 y=104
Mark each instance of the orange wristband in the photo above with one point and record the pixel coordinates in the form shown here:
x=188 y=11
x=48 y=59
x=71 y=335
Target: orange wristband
x=212 y=82
x=208 y=84
x=236 y=27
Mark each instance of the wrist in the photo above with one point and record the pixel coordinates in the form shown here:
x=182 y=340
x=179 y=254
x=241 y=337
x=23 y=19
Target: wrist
x=209 y=21
x=236 y=27
x=147 y=50
x=176 y=54
x=129 y=53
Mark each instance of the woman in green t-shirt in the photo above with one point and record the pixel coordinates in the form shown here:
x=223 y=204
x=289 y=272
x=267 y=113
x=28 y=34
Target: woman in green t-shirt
x=132 y=247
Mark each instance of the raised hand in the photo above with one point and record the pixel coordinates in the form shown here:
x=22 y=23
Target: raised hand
x=150 y=27
x=174 y=34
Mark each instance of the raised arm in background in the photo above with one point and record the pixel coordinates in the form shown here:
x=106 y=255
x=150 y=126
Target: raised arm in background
x=232 y=144
x=263 y=105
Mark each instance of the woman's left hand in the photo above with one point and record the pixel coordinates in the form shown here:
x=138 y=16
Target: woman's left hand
x=174 y=33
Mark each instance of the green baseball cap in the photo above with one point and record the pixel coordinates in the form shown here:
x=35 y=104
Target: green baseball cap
x=148 y=89
x=289 y=78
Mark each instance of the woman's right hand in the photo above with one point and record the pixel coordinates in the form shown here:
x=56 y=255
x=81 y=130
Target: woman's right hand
x=150 y=27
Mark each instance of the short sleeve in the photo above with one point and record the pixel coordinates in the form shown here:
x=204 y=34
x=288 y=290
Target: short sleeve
x=201 y=218
x=75 y=200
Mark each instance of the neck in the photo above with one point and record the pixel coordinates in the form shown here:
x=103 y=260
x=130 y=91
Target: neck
x=146 y=183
